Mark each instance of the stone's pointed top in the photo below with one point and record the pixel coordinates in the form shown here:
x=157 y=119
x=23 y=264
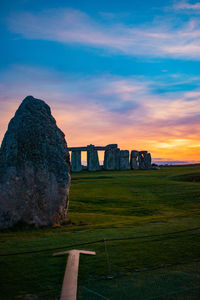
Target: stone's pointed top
x=34 y=168
x=33 y=105
x=29 y=97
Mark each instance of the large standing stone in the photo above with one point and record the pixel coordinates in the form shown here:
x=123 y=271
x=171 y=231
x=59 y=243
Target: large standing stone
x=76 y=161
x=124 y=160
x=92 y=159
x=34 y=168
x=134 y=160
x=111 y=158
x=141 y=159
x=148 y=163
x=117 y=159
x=144 y=159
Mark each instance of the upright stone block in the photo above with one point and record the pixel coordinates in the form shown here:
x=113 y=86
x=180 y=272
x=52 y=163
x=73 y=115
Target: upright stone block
x=76 y=161
x=144 y=159
x=117 y=159
x=124 y=160
x=134 y=160
x=149 y=161
x=141 y=160
x=92 y=159
x=111 y=159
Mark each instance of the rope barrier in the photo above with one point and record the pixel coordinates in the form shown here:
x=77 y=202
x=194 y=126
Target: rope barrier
x=116 y=275
x=153 y=268
x=100 y=241
x=153 y=235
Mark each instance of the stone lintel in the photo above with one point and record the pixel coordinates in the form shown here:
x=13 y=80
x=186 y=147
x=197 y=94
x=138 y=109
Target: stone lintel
x=90 y=147
x=77 y=148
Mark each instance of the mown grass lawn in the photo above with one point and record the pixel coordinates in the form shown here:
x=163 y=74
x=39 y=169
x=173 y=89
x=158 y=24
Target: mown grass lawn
x=109 y=205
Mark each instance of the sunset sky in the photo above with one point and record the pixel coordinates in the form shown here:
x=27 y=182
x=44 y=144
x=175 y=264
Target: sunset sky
x=125 y=72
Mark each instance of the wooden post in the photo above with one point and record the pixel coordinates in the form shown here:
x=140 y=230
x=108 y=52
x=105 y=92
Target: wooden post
x=69 y=286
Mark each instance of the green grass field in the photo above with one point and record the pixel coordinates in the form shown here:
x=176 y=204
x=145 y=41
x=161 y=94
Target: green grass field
x=108 y=205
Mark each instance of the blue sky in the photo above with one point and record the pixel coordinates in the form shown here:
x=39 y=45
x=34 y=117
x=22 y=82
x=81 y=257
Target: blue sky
x=125 y=72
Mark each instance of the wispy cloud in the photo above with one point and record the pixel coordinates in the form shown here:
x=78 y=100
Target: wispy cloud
x=186 y=5
x=110 y=109
x=157 y=39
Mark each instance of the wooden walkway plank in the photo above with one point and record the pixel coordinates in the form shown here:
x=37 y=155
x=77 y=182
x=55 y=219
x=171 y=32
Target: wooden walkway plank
x=69 y=286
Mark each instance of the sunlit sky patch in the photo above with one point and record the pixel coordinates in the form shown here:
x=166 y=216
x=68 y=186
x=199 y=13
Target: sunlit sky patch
x=125 y=72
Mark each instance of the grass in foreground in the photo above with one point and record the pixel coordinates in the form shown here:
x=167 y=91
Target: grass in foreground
x=109 y=205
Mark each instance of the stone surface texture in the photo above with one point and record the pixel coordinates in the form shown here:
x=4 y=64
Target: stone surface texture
x=117 y=159
x=148 y=162
x=111 y=159
x=144 y=159
x=134 y=160
x=92 y=159
x=124 y=160
x=76 y=161
x=34 y=168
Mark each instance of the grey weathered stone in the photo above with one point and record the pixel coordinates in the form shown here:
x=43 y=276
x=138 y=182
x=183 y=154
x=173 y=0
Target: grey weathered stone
x=117 y=159
x=148 y=163
x=134 y=160
x=76 y=161
x=110 y=146
x=111 y=158
x=141 y=160
x=124 y=160
x=34 y=168
x=114 y=159
x=98 y=148
x=92 y=159
x=144 y=159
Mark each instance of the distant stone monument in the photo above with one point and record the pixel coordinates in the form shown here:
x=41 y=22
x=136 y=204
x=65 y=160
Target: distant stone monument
x=114 y=158
x=34 y=168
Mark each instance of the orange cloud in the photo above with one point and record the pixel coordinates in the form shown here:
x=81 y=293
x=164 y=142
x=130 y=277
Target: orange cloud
x=111 y=109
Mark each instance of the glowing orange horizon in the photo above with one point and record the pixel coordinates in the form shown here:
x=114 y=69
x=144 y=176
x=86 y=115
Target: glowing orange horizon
x=81 y=132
